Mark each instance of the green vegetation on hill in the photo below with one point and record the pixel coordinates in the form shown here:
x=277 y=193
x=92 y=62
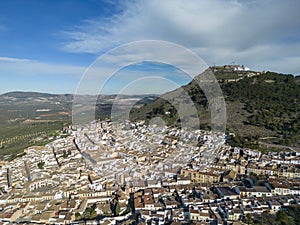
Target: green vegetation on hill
x=288 y=216
x=272 y=100
x=29 y=118
x=21 y=136
x=261 y=107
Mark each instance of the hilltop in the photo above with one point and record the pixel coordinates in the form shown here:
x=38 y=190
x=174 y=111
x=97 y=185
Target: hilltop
x=262 y=107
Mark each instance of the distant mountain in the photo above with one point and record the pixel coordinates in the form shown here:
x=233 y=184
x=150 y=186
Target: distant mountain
x=27 y=116
x=24 y=94
x=17 y=104
x=262 y=107
x=21 y=95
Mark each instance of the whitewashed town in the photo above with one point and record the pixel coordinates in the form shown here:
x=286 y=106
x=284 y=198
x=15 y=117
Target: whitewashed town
x=133 y=173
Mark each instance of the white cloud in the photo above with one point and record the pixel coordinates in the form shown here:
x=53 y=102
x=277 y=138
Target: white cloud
x=28 y=67
x=8 y=59
x=249 y=32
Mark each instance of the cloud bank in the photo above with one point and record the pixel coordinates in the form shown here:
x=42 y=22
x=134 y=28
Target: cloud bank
x=262 y=34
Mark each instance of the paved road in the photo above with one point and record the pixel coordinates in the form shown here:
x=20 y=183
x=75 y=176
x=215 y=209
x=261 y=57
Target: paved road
x=27 y=171
x=294 y=149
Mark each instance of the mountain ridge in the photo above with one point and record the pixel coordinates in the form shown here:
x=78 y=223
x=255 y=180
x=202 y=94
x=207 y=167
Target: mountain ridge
x=258 y=104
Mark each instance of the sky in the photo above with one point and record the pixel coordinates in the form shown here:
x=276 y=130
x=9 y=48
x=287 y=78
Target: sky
x=49 y=45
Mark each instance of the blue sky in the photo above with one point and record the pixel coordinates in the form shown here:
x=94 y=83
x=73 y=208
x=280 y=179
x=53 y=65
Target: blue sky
x=47 y=45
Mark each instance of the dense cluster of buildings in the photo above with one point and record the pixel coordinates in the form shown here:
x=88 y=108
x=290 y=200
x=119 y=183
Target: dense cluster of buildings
x=233 y=73
x=133 y=173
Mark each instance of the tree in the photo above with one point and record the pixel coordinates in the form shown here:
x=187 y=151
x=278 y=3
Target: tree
x=65 y=155
x=249 y=219
x=40 y=165
x=118 y=208
x=77 y=216
x=283 y=218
